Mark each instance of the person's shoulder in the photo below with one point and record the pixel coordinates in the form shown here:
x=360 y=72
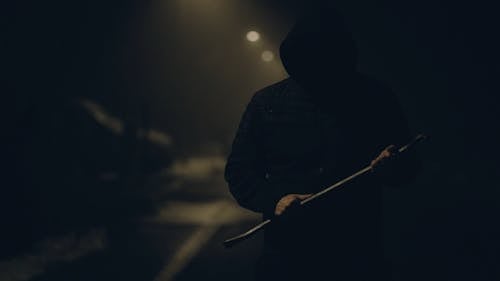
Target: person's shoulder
x=273 y=90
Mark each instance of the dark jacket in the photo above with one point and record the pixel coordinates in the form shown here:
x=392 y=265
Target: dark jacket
x=304 y=133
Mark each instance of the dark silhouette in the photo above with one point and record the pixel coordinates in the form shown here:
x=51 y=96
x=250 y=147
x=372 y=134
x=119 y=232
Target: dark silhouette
x=301 y=134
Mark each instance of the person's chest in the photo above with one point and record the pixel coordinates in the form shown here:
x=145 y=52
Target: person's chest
x=301 y=130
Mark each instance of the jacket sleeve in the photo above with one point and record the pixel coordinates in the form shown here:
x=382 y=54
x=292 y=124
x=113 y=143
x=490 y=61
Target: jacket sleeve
x=244 y=170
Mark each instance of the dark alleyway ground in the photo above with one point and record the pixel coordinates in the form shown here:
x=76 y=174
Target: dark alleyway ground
x=181 y=241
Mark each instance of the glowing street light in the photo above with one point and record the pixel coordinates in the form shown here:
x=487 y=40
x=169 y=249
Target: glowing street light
x=267 y=56
x=253 y=36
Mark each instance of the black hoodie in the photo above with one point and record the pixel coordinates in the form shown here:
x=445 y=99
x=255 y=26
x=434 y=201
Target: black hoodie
x=319 y=48
x=305 y=133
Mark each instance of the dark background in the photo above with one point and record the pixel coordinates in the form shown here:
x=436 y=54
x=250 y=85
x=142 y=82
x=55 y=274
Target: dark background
x=185 y=69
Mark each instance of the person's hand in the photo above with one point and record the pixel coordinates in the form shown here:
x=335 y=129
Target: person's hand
x=288 y=200
x=384 y=156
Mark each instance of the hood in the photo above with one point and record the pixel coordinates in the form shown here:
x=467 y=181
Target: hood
x=319 y=48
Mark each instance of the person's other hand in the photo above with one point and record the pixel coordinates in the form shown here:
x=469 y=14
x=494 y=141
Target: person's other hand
x=384 y=156
x=288 y=200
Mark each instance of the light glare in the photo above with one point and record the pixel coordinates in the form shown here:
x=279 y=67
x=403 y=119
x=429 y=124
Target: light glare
x=253 y=36
x=267 y=56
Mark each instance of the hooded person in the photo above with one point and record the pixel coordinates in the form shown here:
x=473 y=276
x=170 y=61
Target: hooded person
x=304 y=133
x=318 y=47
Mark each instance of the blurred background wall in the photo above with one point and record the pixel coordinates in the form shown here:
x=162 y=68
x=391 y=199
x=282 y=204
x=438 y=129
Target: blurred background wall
x=118 y=116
